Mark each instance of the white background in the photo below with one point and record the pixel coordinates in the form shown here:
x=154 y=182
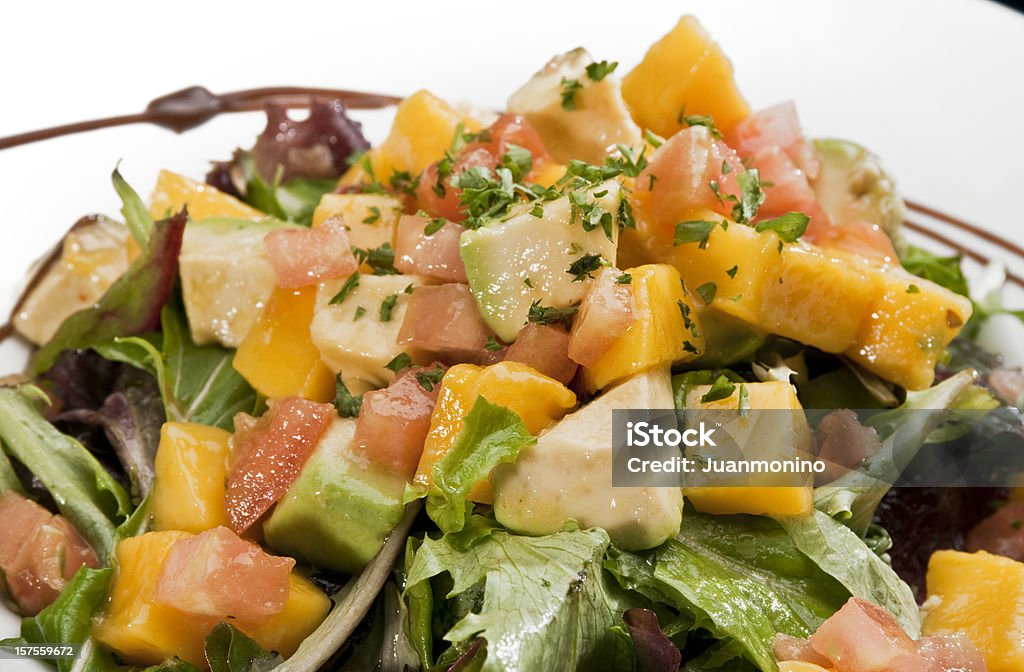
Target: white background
x=934 y=87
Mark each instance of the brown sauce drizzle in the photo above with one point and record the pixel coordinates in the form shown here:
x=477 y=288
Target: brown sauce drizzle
x=194 y=106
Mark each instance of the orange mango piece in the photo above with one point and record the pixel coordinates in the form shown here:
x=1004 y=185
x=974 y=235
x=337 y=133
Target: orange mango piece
x=278 y=357
x=191 y=464
x=540 y=401
x=173 y=191
x=683 y=73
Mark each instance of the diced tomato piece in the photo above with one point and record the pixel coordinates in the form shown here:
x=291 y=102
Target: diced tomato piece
x=435 y=255
x=864 y=637
x=954 y=652
x=393 y=422
x=303 y=257
x=440 y=199
x=544 y=347
x=677 y=182
x=220 y=575
x=605 y=314
x=862 y=238
x=786 y=189
x=444 y=320
x=269 y=454
x=787 y=647
x=39 y=552
x=1001 y=533
x=843 y=443
x=777 y=126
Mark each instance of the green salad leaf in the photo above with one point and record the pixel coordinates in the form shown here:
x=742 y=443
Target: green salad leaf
x=230 y=650
x=140 y=224
x=741 y=578
x=198 y=383
x=8 y=478
x=131 y=305
x=944 y=271
x=69 y=620
x=853 y=497
x=491 y=435
x=86 y=494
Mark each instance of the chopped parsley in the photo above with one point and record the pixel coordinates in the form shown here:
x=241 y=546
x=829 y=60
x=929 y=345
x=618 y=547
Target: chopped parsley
x=726 y=168
x=599 y=70
x=624 y=279
x=427 y=378
x=751 y=196
x=590 y=214
x=348 y=404
x=732 y=271
x=408 y=289
x=381 y=259
x=435 y=225
x=346 y=289
x=624 y=215
x=518 y=160
x=707 y=292
x=537 y=211
x=403 y=182
x=360 y=311
x=629 y=163
x=694 y=231
x=486 y=194
x=583 y=268
x=546 y=315
x=913 y=289
x=401 y=361
x=387 y=306
x=569 y=89
x=528 y=282
x=653 y=139
x=492 y=345
x=374 y=215
x=744 y=400
x=789 y=226
x=722 y=388
x=701 y=120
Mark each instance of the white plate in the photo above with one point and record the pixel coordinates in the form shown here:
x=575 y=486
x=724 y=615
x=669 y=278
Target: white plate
x=928 y=86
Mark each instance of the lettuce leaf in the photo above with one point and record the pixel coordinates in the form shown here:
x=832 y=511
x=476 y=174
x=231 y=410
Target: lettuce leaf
x=198 y=383
x=230 y=650
x=546 y=603
x=85 y=493
x=740 y=577
x=944 y=271
x=136 y=217
x=69 y=620
x=130 y=306
x=491 y=435
x=853 y=497
x=8 y=477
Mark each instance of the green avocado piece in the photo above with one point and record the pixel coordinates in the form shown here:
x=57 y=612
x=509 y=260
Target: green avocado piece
x=226 y=277
x=728 y=340
x=511 y=264
x=852 y=185
x=340 y=510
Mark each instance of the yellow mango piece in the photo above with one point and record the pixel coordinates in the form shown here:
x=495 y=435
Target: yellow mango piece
x=816 y=296
x=549 y=173
x=138 y=628
x=982 y=595
x=540 y=401
x=146 y=632
x=423 y=128
x=800 y=666
x=278 y=357
x=306 y=608
x=907 y=329
x=173 y=191
x=766 y=436
x=664 y=329
x=735 y=259
x=191 y=464
x=684 y=72
x=369 y=219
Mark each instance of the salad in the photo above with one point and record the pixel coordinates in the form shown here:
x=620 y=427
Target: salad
x=350 y=407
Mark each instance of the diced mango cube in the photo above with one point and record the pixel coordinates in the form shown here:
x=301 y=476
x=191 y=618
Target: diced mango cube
x=907 y=329
x=144 y=631
x=369 y=219
x=800 y=666
x=766 y=435
x=188 y=490
x=173 y=191
x=816 y=296
x=423 y=128
x=540 y=401
x=278 y=357
x=664 y=330
x=683 y=73
x=306 y=608
x=736 y=260
x=982 y=595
